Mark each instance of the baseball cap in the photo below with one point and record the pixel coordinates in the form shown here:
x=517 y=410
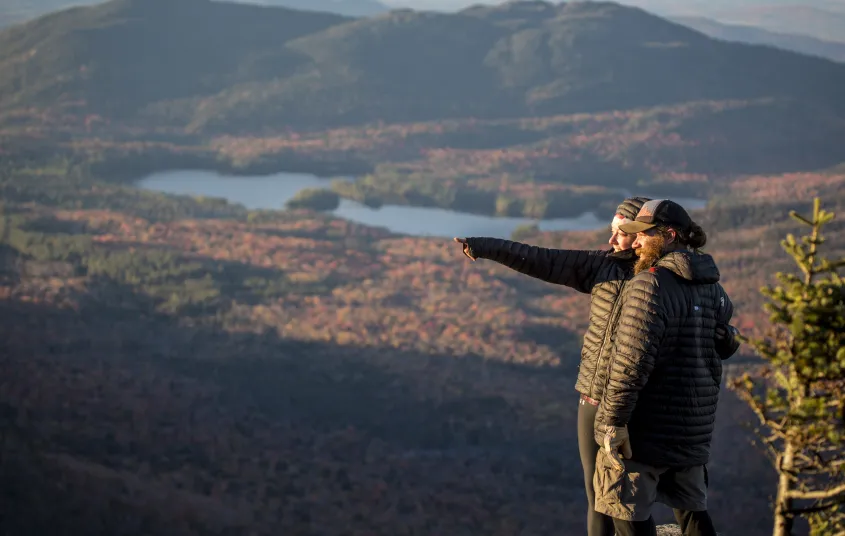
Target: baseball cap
x=659 y=212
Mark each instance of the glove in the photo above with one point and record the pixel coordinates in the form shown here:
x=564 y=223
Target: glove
x=725 y=331
x=614 y=440
x=727 y=340
x=466 y=247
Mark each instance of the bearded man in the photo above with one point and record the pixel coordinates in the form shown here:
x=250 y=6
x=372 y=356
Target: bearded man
x=602 y=274
x=657 y=413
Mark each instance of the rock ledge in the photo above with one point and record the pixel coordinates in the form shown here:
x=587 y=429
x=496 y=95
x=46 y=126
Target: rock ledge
x=672 y=530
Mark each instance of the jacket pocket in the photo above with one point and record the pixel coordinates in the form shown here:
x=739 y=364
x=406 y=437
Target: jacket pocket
x=609 y=485
x=615 y=491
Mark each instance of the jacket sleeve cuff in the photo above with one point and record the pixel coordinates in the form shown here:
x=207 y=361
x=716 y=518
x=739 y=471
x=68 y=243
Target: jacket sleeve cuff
x=729 y=345
x=477 y=247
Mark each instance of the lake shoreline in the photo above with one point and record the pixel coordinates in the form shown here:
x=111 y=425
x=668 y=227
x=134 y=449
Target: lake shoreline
x=132 y=167
x=273 y=192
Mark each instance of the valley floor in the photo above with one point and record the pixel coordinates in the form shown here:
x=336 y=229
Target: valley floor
x=184 y=368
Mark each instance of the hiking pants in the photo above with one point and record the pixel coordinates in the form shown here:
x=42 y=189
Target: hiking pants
x=597 y=524
x=691 y=523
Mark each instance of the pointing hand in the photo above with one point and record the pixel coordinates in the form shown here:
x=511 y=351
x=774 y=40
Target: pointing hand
x=467 y=249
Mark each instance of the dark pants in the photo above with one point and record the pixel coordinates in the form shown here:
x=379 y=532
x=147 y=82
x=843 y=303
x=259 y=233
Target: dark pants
x=597 y=524
x=692 y=524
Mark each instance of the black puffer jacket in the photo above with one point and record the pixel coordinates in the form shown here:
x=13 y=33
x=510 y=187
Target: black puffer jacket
x=664 y=370
x=602 y=274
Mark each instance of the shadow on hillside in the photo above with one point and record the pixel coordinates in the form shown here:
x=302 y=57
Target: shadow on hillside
x=441 y=421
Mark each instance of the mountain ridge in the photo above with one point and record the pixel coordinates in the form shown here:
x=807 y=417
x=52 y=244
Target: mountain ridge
x=349 y=8
x=793 y=18
x=754 y=35
x=20 y=11
x=252 y=68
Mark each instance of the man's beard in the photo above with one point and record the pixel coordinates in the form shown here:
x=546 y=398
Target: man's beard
x=649 y=253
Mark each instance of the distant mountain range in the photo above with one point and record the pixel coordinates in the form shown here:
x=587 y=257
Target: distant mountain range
x=716 y=6
x=249 y=67
x=818 y=19
x=821 y=19
x=16 y=11
x=750 y=34
x=457 y=5
x=352 y=8
x=806 y=20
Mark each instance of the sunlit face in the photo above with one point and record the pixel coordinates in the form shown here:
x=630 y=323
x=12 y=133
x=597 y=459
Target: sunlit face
x=652 y=239
x=649 y=246
x=646 y=238
x=620 y=240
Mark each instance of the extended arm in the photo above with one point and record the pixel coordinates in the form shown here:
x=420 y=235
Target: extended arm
x=577 y=269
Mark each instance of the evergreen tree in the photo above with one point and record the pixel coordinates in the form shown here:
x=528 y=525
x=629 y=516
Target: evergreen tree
x=799 y=393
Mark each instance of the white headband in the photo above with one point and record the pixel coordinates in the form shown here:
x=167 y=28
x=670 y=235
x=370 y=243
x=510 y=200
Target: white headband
x=618 y=220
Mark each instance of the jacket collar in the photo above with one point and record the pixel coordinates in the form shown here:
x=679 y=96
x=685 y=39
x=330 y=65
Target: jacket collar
x=698 y=268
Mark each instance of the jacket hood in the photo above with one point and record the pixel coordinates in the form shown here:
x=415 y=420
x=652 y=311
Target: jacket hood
x=631 y=207
x=697 y=268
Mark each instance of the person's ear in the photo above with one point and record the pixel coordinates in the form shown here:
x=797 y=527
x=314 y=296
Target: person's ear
x=673 y=236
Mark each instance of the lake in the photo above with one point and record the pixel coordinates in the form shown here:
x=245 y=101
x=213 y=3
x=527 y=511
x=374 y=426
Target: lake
x=272 y=191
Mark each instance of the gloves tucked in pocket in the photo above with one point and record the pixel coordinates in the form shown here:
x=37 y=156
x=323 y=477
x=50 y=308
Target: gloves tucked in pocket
x=623 y=489
x=613 y=441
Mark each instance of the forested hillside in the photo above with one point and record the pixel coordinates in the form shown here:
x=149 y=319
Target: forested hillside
x=258 y=68
x=186 y=366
